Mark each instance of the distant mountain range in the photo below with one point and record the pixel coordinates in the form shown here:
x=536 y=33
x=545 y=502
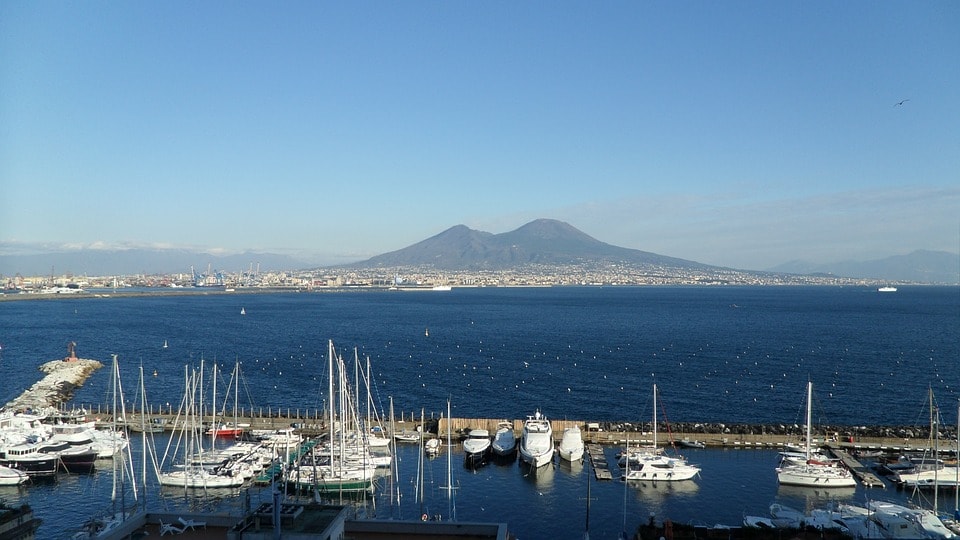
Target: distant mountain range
x=550 y=242
x=543 y=243
x=117 y=262
x=920 y=267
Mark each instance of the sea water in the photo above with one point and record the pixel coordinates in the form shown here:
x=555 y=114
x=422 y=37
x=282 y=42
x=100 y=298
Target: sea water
x=717 y=354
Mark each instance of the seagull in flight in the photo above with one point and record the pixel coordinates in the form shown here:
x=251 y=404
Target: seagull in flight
x=899 y=103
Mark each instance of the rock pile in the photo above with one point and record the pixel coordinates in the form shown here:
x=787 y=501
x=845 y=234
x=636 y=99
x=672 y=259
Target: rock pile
x=62 y=379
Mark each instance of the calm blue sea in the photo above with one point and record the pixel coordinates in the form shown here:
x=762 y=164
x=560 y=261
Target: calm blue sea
x=724 y=354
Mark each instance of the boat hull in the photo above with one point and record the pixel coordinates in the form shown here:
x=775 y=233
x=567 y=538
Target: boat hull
x=815 y=476
x=39 y=466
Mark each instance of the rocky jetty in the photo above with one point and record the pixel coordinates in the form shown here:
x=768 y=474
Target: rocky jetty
x=62 y=378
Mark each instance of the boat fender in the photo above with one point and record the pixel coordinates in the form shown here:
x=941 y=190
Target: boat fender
x=424 y=517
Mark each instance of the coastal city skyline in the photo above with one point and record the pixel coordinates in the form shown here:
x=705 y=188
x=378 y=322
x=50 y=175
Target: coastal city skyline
x=744 y=135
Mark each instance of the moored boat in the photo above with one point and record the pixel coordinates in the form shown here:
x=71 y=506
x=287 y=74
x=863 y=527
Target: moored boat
x=476 y=446
x=812 y=472
x=571 y=444
x=504 y=443
x=536 y=442
x=650 y=463
x=12 y=477
x=26 y=457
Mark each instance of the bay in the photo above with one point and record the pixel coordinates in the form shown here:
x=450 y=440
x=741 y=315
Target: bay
x=718 y=354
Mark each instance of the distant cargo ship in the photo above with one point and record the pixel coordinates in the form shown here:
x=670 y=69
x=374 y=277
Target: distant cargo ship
x=887 y=289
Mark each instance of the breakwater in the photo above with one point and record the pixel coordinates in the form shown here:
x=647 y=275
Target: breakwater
x=56 y=388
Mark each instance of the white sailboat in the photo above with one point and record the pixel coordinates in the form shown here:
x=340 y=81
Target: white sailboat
x=192 y=472
x=373 y=426
x=813 y=473
x=344 y=463
x=651 y=464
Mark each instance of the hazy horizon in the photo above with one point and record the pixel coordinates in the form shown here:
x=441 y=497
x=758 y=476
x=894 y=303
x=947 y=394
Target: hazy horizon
x=742 y=135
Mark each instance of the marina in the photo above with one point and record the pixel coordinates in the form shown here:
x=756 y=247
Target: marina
x=483 y=345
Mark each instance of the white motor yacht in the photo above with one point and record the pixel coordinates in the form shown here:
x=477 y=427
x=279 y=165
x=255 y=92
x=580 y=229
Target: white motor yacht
x=571 y=444
x=536 y=443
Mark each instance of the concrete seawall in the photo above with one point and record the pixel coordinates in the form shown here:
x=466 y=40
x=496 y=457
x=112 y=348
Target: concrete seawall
x=312 y=423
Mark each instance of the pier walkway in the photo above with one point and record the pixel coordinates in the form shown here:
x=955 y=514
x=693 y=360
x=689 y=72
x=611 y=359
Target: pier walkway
x=861 y=471
x=598 y=461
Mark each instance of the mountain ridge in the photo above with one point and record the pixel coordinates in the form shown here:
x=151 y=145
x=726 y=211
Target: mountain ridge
x=539 y=242
x=534 y=246
x=920 y=266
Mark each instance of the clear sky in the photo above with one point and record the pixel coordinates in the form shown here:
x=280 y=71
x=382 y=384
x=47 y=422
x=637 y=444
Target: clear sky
x=737 y=133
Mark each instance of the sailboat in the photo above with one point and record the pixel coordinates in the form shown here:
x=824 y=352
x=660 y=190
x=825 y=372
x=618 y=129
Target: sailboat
x=122 y=475
x=935 y=474
x=811 y=472
x=344 y=464
x=375 y=433
x=651 y=464
x=192 y=472
x=228 y=430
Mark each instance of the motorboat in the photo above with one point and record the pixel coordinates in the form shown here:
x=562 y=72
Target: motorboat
x=226 y=430
x=431 y=446
x=476 y=447
x=12 y=477
x=26 y=457
x=660 y=468
x=407 y=436
x=571 y=444
x=536 y=442
x=687 y=443
x=881 y=520
x=504 y=441
x=70 y=458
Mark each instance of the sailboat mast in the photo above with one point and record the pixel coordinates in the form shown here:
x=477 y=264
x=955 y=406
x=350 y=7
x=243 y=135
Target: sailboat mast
x=330 y=400
x=395 y=473
x=654 y=416
x=113 y=378
x=369 y=399
x=143 y=432
x=451 y=503
x=236 y=396
x=809 y=415
x=213 y=410
x=420 y=478
x=934 y=413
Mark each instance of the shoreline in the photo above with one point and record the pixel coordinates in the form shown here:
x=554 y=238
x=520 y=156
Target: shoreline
x=218 y=291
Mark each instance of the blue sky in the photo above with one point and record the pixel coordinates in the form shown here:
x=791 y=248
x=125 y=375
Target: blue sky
x=743 y=134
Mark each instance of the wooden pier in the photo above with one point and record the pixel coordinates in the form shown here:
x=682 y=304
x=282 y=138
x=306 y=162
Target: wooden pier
x=859 y=470
x=598 y=461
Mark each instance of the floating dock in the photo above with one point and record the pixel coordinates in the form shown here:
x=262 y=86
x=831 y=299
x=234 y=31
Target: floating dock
x=859 y=470
x=598 y=461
